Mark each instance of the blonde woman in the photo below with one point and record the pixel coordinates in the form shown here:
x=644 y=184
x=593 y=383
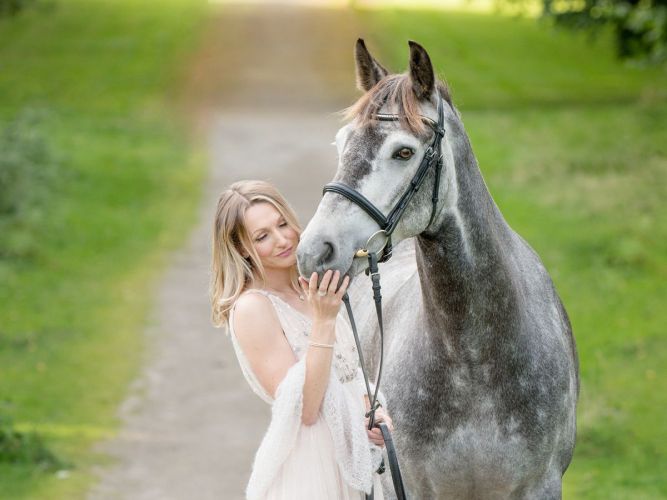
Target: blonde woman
x=296 y=352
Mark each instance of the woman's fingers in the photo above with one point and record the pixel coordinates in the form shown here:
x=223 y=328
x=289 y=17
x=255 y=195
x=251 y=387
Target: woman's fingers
x=330 y=284
x=303 y=283
x=375 y=436
x=343 y=287
x=312 y=284
x=381 y=416
x=334 y=282
x=324 y=284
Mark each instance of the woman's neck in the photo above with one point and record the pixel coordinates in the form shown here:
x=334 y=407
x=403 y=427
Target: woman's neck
x=277 y=280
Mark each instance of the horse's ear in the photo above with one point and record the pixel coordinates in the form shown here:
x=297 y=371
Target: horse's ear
x=369 y=71
x=421 y=71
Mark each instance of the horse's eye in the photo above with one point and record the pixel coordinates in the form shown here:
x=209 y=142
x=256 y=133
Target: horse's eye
x=404 y=154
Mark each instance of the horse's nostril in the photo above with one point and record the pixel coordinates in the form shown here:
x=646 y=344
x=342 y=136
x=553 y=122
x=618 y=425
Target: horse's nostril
x=327 y=253
x=316 y=257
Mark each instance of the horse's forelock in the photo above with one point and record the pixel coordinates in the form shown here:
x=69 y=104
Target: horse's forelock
x=395 y=90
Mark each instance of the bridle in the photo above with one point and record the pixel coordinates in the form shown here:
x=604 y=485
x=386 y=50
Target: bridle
x=431 y=159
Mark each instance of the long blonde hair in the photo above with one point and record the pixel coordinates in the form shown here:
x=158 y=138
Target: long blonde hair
x=231 y=272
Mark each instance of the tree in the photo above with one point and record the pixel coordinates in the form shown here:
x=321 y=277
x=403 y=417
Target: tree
x=12 y=7
x=639 y=26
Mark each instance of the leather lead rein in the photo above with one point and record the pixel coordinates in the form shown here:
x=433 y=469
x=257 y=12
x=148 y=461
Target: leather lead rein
x=374 y=405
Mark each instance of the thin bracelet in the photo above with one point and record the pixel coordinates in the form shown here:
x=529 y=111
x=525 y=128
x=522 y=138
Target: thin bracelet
x=317 y=344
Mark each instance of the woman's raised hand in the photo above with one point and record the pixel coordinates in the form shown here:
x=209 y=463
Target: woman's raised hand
x=326 y=298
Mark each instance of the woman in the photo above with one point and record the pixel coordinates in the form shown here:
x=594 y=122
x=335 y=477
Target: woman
x=295 y=350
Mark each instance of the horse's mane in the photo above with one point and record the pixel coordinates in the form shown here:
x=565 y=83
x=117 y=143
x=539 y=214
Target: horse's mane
x=397 y=91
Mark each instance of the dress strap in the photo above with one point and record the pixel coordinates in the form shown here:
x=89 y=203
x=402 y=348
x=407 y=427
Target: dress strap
x=279 y=305
x=266 y=294
x=257 y=290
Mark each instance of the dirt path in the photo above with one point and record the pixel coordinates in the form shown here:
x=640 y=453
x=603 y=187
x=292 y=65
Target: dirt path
x=263 y=87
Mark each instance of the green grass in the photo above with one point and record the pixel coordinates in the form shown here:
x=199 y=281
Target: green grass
x=573 y=146
x=101 y=76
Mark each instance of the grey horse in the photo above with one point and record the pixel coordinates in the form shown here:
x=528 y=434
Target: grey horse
x=481 y=369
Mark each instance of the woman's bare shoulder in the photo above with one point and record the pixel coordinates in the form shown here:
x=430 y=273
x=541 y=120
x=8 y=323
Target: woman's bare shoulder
x=254 y=316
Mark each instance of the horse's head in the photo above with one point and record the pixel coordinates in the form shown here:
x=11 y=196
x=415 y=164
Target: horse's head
x=378 y=158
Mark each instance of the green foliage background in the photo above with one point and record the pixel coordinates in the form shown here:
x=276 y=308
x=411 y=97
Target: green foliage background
x=97 y=184
x=639 y=27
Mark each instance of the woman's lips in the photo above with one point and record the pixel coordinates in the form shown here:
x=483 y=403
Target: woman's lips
x=286 y=252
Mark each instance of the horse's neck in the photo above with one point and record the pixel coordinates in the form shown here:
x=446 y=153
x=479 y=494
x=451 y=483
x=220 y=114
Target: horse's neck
x=463 y=266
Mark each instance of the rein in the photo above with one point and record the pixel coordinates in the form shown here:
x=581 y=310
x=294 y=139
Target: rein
x=387 y=225
x=386 y=434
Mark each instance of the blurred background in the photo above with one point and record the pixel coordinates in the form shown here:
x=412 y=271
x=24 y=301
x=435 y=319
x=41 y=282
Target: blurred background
x=121 y=120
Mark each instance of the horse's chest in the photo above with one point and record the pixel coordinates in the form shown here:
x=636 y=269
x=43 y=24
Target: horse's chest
x=477 y=460
x=459 y=434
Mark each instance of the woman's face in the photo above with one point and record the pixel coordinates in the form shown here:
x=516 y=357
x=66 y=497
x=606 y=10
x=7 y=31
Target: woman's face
x=274 y=240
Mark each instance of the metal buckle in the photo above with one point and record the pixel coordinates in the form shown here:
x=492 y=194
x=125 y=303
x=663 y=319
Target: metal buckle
x=363 y=252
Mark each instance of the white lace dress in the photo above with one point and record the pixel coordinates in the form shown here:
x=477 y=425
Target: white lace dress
x=331 y=459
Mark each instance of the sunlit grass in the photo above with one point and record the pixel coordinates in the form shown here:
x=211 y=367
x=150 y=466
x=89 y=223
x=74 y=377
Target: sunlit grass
x=574 y=149
x=101 y=76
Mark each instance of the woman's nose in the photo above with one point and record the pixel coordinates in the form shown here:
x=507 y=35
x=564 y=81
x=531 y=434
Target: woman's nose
x=281 y=239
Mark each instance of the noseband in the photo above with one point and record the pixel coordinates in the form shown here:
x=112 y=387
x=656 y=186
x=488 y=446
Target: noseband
x=388 y=224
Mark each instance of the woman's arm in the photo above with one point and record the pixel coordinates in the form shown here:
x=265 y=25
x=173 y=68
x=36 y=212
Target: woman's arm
x=270 y=356
x=318 y=367
x=325 y=301
x=262 y=341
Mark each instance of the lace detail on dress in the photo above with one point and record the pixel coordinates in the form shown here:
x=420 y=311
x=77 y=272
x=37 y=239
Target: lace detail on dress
x=342 y=407
x=297 y=328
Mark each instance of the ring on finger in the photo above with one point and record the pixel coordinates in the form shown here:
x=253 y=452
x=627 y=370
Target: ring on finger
x=321 y=293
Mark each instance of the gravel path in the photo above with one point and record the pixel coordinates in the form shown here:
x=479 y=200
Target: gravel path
x=263 y=88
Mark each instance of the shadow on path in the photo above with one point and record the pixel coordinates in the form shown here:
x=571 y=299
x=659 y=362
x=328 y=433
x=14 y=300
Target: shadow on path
x=263 y=89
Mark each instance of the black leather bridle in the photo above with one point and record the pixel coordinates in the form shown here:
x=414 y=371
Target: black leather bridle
x=432 y=159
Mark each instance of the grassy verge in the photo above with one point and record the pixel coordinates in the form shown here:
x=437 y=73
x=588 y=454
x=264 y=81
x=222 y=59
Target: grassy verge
x=76 y=284
x=572 y=145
